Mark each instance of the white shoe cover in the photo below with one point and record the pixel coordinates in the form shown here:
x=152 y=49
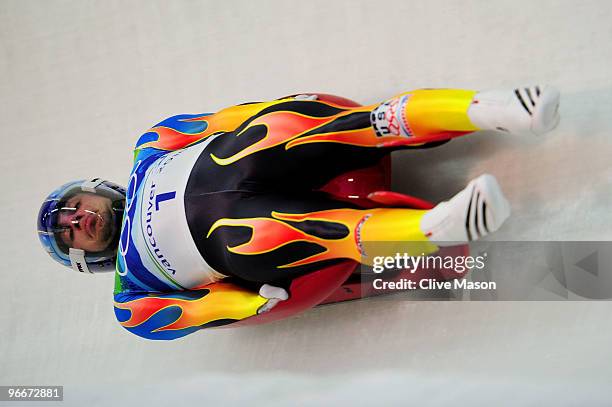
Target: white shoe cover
x=529 y=110
x=476 y=211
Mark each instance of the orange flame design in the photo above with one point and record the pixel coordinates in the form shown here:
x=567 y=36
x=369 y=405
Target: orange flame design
x=281 y=127
x=171 y=139
x=224 y=301
x=269 y=234
x=360 y=137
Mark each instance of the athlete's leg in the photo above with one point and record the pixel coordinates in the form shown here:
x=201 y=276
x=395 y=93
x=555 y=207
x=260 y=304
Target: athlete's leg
x=305 y=143
x=269 y=238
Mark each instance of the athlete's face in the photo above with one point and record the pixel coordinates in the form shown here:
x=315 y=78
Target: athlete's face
x=87 y=222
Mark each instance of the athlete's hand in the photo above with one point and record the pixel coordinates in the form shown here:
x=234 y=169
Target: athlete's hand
x=274 y=296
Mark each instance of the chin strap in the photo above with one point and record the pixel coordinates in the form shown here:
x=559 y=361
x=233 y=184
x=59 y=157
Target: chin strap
x=77 y=260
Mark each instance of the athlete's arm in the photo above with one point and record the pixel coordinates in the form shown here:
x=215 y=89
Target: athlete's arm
x=165 y=316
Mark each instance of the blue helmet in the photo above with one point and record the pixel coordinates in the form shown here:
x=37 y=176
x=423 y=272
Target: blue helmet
x=50 y=231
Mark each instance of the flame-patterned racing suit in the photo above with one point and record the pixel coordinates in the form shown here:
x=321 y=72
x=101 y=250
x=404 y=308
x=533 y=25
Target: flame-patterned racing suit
x=232 y=194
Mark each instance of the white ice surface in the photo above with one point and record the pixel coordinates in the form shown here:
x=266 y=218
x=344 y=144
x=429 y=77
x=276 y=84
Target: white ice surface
x=80 y=80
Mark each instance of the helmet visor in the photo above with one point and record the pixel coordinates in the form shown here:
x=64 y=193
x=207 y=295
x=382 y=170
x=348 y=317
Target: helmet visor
x=86 y=220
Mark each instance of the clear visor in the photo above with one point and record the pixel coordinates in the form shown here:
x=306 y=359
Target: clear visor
x=89 y=221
